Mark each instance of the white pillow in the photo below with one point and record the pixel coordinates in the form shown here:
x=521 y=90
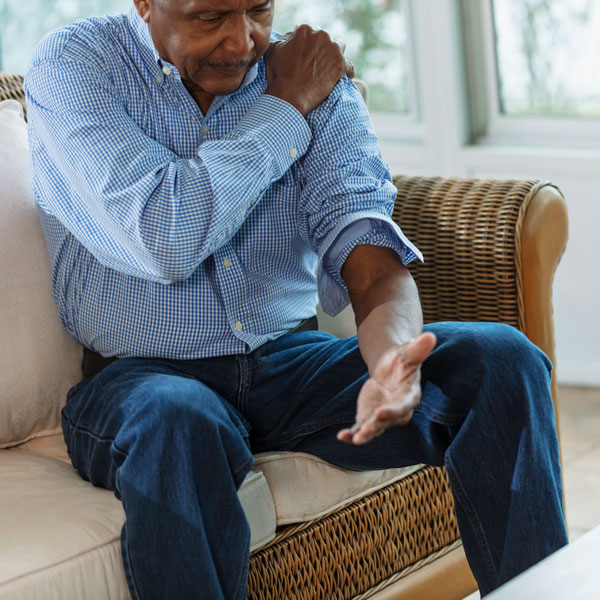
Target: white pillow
x=39 y=361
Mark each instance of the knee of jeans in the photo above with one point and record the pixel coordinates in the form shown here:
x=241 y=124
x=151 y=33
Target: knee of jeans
x=517 y=371
x=496 y=346
x=506 y=345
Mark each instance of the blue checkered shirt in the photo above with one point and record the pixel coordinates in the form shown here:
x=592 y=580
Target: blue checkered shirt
x=178 y=234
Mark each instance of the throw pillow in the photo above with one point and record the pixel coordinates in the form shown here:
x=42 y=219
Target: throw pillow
x=39 y=361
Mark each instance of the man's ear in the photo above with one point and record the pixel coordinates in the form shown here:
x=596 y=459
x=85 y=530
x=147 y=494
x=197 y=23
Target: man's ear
x=143 y=8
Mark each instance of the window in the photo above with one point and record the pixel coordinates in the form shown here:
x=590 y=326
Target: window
x=378 y=41
x=376 y=37
x=548 y=57
x=24 y=22
x=532 y=71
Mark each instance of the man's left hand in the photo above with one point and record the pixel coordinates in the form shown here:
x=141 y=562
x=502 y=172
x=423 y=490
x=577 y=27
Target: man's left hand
x=390 y=396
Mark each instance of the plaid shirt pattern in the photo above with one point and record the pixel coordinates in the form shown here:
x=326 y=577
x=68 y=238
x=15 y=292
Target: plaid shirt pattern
x=182 y=235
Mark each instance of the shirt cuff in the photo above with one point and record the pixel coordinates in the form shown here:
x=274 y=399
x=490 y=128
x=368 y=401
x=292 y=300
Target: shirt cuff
x=374 y=229
x=279 y=126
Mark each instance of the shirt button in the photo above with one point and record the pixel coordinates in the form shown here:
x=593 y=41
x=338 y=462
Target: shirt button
x=293 y=153
x=227 y=262
x=205 y=129
x=158 y=79
x=166 y=70
x=238 y=326
x=253 y=201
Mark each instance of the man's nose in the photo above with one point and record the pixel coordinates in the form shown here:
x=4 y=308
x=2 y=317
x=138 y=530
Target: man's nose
x=239 y=36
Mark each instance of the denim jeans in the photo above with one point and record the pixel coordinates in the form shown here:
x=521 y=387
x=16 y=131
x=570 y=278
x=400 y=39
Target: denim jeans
x=174 y=440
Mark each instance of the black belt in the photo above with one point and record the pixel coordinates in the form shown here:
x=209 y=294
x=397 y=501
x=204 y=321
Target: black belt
x=93 y=362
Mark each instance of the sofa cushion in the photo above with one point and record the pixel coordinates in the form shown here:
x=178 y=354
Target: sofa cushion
x=61 y=535
x=305 y=487
x=39 y=361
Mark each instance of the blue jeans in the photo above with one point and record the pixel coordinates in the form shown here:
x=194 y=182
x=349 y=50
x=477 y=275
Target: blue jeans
x=174 y=440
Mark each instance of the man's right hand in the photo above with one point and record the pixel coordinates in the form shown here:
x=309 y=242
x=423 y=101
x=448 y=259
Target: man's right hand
x=304 y=66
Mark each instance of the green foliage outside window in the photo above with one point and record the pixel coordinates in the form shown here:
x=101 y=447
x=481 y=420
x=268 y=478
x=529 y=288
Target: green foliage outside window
x=548 y=57
x=375 y=32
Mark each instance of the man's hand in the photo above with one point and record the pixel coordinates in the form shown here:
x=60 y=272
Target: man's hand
x=390 y=396
x=304 y=66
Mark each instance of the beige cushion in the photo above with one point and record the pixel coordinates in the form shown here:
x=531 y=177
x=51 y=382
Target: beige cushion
x=39 y=361
x=60 y=535
x=305 y=487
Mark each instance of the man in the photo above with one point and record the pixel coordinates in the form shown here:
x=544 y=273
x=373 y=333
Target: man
x=199 y=181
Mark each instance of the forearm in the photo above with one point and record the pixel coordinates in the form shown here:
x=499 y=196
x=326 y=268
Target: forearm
x=127 y=194
x=385 y=300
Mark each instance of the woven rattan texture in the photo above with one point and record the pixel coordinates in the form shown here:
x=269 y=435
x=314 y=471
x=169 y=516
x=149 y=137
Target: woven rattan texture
x=354 y=549
x=468 y=231
x=11 y=88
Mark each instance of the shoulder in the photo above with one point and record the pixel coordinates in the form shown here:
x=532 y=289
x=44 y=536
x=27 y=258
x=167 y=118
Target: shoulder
x=345 y=106
x=78 y=66
x=91 y=40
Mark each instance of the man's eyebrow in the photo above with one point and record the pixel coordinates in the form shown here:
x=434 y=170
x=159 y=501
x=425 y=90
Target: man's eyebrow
x=216 y=11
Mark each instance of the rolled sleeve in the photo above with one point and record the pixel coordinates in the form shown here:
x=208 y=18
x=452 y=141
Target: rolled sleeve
x=355 y=230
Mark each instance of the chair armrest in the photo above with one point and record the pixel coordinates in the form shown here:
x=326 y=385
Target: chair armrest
x=11 y=88
x=491 y=249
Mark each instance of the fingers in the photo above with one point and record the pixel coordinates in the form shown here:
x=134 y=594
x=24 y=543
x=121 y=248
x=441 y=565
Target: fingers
x=341 y=44
x=362 y=433
x=375 y=415
x=350 y=69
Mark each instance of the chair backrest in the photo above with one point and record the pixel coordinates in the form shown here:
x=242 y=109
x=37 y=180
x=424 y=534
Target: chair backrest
x=39 y=361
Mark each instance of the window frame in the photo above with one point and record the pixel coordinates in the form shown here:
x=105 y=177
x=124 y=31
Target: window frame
x=395 y=129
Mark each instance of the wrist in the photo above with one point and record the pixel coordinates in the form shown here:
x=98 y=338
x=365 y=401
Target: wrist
x=384 y=330
x=292 y=101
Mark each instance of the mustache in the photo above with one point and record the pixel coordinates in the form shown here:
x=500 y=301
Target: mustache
x=238 y=63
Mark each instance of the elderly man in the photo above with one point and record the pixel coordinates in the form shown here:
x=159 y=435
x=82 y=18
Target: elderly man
x=201 y=184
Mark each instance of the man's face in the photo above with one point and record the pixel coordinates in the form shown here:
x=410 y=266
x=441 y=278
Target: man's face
x=213 y=43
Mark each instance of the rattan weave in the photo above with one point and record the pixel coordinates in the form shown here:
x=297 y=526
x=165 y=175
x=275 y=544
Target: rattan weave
x=348 y=553
x=11 y=88
x=469 y=233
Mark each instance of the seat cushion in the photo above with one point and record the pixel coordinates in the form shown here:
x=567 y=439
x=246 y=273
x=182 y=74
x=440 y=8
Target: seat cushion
x=61 y=535
x=305 y=487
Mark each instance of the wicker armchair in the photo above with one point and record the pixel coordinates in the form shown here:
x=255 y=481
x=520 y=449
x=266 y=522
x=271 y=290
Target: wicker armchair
x=491 y=250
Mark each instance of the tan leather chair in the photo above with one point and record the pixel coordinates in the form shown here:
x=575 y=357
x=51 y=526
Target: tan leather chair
x=491 y=250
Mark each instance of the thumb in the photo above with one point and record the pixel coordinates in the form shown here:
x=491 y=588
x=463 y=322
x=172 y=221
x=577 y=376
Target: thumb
x=401 y=361
x=416 y=351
